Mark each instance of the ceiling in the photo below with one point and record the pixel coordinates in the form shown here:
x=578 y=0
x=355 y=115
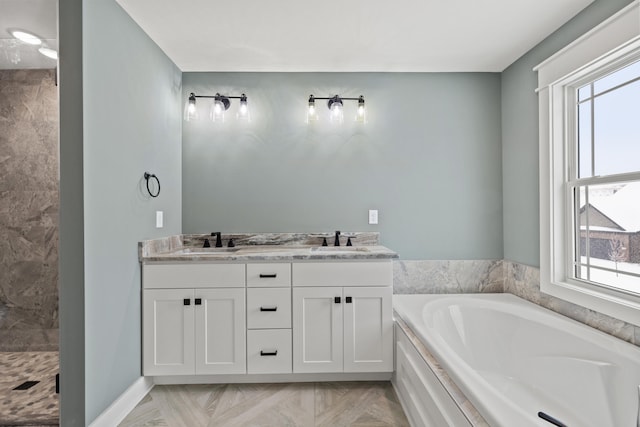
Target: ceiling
x=38 y=17
x=352 y=35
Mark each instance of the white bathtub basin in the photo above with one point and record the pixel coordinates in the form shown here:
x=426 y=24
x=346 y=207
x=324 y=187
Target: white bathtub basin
x=513 y=359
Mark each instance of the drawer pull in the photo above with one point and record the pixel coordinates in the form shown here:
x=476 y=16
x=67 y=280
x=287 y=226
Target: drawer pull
x=186 y=301
x=268 y=276
x=268 y=353
x=269 y=308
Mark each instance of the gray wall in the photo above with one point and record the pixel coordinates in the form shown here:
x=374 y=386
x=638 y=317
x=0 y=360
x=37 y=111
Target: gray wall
x=28 y=210
x=429 y=160
x=132 y=124
x=520 y=134
x=71 y=227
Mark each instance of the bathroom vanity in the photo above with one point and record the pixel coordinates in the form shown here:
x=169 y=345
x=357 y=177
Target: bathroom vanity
x=274 y=307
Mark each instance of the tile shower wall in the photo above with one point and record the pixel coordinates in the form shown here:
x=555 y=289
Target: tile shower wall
x=28 y=210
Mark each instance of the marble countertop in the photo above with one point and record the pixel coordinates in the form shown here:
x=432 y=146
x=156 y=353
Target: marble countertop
x=263 y=247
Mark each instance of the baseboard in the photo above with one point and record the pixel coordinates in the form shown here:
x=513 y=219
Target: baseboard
x=270 y=378
x=118 y=410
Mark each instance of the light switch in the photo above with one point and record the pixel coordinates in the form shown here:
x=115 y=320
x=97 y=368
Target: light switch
x=159 y=219
x=373 y=216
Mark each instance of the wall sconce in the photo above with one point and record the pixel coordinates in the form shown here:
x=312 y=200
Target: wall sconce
x=336 y=109
x=220 y=105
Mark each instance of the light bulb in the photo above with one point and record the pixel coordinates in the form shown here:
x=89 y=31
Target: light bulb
x=312 y=114
x=218 y=109
x=243 y=110
x=361 y=112
x=190 y=110
x=337 y=113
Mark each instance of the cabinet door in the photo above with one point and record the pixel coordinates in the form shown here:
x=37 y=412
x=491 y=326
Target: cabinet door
x=220 y=331
x=168 y=335
x=317 y=329
x=368 y=329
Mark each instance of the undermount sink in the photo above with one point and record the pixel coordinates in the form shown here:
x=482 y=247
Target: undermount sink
x=203 y=251
x=261 y=250
x=340 y=249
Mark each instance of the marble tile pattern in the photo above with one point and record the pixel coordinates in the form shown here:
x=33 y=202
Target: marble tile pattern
x=524 y=281
x=37 y=405
x=356 y=404
x=467 y=408
x=291 y=239
x=28 y=210
x=447 y=277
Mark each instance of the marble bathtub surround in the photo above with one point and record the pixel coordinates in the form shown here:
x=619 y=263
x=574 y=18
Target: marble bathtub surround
x=495 y=276
x=28 y=210
x=447 y=277
x=467 y=408
x=524 y=281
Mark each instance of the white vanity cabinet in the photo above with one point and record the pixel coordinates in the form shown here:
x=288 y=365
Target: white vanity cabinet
x=266 y=319
x=342 y=317
x=193 y=319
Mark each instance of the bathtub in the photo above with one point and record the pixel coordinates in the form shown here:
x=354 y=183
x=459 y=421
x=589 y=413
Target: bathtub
x=514 y=360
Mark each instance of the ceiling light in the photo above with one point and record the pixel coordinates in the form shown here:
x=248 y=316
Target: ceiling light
x=48 y=52
x=336 y=108
x=26 y=37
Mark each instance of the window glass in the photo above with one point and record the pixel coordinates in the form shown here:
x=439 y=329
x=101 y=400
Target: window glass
x=606 y=184
x=617 y=78
x=617 y=130
x=608 y=247
x=584 y=140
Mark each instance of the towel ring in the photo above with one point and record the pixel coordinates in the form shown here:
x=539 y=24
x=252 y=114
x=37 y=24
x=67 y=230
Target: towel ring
x=148 y=176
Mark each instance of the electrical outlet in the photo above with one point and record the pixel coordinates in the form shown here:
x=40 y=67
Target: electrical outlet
x=159 y=219
x=373 y=216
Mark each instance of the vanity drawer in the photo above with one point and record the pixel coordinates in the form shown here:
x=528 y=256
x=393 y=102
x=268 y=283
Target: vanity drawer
x=268 y=308
x=347 y=273
x=269 y=351
x=193 y=275
x=268 y=274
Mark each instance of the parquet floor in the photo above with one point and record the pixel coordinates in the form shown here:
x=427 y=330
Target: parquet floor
x=354 y=404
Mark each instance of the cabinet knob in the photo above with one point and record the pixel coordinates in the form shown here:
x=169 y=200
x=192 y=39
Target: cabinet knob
x=268 y=353
x=198 y=301
x=336 y=300
x=347 y=300
x=186 y=301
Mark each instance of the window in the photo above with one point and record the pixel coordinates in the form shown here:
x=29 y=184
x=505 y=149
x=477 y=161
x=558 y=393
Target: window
x=589 y=129
x=603 y=179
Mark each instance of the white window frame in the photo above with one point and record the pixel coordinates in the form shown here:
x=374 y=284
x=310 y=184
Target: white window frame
x=608 y=46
